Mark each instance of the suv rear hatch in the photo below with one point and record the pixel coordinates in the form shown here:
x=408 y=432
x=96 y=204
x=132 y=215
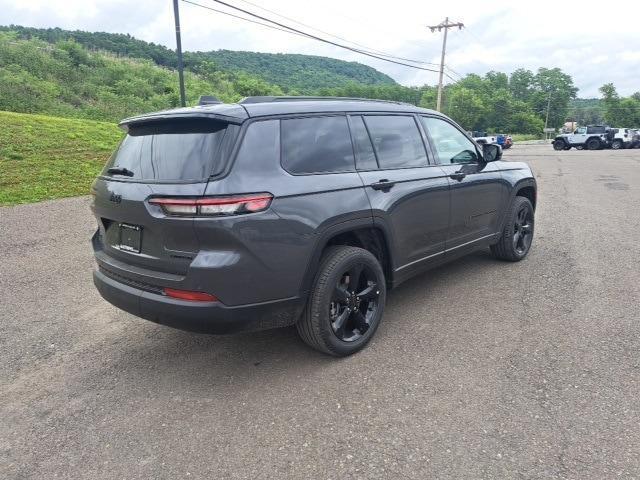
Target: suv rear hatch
x=165 y=157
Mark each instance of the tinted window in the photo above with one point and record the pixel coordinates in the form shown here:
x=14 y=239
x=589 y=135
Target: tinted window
x=316 y=145
x=180 y=150
x=595 y=129
x=450 y=143
x=396 y=140
x=365 y=158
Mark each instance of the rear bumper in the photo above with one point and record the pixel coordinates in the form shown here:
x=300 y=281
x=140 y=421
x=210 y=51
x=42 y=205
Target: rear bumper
x=201 y=317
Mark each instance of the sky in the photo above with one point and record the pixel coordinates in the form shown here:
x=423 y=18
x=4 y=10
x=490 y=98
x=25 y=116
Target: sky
x=594 y=45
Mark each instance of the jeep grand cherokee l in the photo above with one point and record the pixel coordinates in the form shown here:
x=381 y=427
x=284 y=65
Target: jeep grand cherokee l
x=295 y=210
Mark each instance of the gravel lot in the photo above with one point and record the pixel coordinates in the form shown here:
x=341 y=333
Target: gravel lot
x=481 y=369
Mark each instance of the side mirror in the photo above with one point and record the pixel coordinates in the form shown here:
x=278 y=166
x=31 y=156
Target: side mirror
x=491 y=152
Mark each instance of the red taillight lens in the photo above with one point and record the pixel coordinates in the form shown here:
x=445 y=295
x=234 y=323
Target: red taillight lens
x=214 y=206
x=188 y=295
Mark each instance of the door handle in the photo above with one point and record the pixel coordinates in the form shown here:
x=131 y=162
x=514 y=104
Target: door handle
x=458 y=175
x=384 y=185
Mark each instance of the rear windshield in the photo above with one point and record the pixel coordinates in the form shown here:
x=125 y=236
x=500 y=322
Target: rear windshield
x=180 y=150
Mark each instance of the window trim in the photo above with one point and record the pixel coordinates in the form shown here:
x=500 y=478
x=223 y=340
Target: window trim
x=465 y=134
x=375 y=153
x=316 y=115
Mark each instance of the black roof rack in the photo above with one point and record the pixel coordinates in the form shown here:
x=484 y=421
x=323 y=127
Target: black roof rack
x=269 y=99
x=209 y=100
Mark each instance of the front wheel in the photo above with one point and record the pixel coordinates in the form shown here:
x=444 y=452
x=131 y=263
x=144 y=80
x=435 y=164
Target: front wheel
x=346 y=303
x=517 y=235
x=559 y=145
x=617 y=145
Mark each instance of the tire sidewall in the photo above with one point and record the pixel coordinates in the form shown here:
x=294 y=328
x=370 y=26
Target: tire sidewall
x=593 y=144
x=517 y=205
x=321 y=298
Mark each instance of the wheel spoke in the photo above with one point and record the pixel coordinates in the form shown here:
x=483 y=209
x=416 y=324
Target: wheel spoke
x=369 y=293
x=339 y=324
x=360 y=321
x=516 y=240
x=526 y=228
x=340 y=294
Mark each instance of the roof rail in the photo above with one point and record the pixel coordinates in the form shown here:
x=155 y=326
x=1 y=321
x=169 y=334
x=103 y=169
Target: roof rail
x=208 y=100
x=269 y=99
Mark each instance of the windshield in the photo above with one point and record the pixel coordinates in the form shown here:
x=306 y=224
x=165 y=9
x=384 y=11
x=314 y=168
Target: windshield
x=179 y=150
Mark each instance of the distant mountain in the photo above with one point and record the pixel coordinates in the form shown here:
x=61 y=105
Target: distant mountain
x=304 y=73
x=293 y=73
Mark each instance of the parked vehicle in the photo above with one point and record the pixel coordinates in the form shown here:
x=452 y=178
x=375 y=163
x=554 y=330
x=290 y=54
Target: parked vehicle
x=482 y=138
x=505 y=141
x=296 y=210
x=621 y=138
x=591 y=137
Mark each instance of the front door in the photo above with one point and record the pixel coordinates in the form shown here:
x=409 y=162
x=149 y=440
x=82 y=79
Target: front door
x=478 y=192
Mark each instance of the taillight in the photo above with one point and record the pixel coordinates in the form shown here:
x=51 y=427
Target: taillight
x=214 y=206
x=188 y=295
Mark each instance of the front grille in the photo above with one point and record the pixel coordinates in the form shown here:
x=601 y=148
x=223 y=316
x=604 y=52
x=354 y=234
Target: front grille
x=129 y=281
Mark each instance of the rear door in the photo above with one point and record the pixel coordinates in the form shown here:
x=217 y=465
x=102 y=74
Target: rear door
x=409 y=195
x=478 y=192
x=160 y=159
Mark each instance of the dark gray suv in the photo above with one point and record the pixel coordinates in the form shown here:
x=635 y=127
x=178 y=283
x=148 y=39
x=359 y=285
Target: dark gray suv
x=296 y=210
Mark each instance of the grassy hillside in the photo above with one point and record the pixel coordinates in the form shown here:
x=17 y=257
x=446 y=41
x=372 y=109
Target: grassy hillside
x=292 y=72
x=46 y=157
x=67 y=80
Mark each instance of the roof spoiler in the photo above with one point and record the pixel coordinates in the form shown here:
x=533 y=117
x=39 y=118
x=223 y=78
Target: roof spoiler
x=208 y=100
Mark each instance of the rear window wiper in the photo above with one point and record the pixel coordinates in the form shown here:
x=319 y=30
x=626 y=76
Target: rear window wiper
x=120 y=171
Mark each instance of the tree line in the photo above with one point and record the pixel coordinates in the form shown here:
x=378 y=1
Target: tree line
x=88 y=75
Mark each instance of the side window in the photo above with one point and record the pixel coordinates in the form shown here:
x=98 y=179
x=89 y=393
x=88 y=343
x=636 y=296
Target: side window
x=365 y=157
x=316 y=145
x=449 y=142
x=396 y=140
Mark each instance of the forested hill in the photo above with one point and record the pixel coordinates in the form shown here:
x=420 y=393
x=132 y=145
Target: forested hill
x=301 y=72
x=293 y=73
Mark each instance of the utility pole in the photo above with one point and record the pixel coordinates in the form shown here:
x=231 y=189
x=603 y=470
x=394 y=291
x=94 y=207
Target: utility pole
x=446 y=25
x=546 y=121
x=176 y=15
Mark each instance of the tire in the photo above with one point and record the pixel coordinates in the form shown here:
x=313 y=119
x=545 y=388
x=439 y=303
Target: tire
x=568 y=147
x=593 y=144
x=580 y=147
x=559 y=145
x=617 y=145
x=517 y=235
x=335 y=321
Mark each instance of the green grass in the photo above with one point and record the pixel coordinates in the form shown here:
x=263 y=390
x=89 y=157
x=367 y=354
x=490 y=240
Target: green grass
x=521 y=137
x=43 y=158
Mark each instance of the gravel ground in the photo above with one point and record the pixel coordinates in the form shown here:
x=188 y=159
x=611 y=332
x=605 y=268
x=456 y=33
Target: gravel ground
x=481 y=369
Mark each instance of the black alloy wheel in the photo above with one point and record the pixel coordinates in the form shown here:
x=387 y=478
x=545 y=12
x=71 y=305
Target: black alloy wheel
x=523 y=230
x=354 y=303
x=517 y=235
x=346 y=302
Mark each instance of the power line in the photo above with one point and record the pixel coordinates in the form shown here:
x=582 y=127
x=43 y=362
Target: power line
x=364 y=47
x=308 y=35
x=241 y=18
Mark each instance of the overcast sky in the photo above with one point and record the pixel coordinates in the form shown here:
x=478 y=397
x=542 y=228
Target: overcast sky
x=594 y=45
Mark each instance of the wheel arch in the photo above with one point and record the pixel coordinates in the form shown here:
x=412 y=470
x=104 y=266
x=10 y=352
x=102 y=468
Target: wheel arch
x=363 y=234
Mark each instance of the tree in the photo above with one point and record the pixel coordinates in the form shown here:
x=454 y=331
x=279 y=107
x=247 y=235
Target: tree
x=553 y=90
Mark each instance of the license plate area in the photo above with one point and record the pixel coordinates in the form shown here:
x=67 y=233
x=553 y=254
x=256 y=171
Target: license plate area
x=130 y=237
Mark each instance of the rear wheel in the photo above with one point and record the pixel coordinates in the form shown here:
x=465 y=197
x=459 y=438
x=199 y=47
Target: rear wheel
x=517 y=235
x=346 y=303
x=559 y=145
x=617 y=144
x=593 y=144
x=580 y=147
